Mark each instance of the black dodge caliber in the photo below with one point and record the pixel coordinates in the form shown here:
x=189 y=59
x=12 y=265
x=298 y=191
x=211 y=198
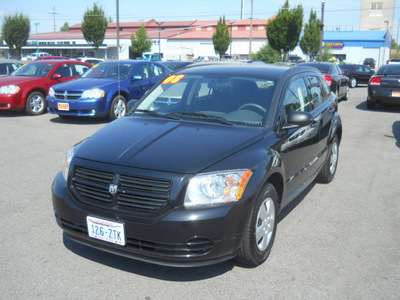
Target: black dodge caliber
x=200 y=168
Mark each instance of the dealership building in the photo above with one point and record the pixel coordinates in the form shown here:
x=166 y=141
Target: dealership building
x=185 y=40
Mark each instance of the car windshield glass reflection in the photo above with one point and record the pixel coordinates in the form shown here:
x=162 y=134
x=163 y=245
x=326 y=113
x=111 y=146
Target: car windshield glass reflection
x=389 y=70
x=225 y=99
x=34 y=70
x=109 y=71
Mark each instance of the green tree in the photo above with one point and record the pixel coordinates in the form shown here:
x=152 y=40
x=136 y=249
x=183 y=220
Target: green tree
x=326 y=53
x=395 y=45
x=267 y=54
x=283 y=32
x=140 y=42
x=65 y=27
x=15 y=32
x=221 y=38
x=94 y=26
x=309 y=43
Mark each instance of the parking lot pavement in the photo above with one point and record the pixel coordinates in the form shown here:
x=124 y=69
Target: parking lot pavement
x=335 y=241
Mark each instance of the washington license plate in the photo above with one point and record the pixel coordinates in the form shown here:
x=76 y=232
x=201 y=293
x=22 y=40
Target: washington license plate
x=63 y=106
x=395 y=93
x=105 y=230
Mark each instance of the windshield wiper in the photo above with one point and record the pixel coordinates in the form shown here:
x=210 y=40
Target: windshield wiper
x=201 y=116
x=154 y=113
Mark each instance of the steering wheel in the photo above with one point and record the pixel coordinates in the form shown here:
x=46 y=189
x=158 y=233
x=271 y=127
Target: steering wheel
x=253 y=105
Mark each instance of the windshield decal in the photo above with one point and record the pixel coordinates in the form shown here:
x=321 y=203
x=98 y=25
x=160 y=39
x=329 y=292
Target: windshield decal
x=173 y=79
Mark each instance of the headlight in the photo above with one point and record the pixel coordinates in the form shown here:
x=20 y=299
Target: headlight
x=51 y=92
x=67 y=161
x=94 y=93
x=217 y=187
x=9 y=90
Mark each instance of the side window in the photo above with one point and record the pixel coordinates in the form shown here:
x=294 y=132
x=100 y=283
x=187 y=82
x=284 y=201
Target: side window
x=317 y=96
x=325 y=88
x=3 y=69
x=296 y=97
x=64 y=70
x=80 y=69
x=141 y=70
x=157 y=70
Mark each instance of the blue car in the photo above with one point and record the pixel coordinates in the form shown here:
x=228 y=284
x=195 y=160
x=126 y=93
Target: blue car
x=105 y=89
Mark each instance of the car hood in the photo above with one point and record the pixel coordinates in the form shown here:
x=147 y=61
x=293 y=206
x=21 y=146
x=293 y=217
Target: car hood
x=18 y=80
x=82 y=84
x=166 y=145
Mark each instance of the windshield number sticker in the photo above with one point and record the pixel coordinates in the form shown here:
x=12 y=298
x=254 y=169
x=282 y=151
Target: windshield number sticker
x=173 y=79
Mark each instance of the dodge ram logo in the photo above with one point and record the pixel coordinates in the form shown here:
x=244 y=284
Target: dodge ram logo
x=113 y=189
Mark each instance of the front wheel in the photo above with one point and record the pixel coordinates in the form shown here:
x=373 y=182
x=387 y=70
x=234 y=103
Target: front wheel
x=329 y=169
x=260 y=230
x=118 y=108
x=35 y=103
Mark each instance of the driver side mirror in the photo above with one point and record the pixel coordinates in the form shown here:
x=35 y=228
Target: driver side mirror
x=136 y=78
x=57 y=76
x=298 y=119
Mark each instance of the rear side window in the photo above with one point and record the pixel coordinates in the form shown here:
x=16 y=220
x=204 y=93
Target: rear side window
x=64 y=70
x=80 y=70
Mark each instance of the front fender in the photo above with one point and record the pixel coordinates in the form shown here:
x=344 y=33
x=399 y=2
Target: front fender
x=336 y=128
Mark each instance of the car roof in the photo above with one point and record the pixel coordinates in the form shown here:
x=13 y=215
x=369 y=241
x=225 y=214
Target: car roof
x=58 y=62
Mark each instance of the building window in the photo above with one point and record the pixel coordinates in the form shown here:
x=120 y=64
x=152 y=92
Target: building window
x=261 y=27
x=235 y=28
x=209 y=28
x=376 y=9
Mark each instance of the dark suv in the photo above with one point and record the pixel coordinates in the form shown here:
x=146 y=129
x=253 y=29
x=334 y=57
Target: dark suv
x=200 y=168
x=357 y=73
x=370 y=62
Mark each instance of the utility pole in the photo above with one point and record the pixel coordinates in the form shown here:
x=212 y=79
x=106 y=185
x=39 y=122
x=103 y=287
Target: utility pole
x=117 y=29
x=54 y=13
x=159 y=39
x=230 y=50
x=321 y=37
x=37 y=38
x=251 y=29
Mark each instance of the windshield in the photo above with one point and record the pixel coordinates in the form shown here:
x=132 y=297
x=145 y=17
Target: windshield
x=34 y=70
x=223 y=98
x=109 y=71
x=389 y=70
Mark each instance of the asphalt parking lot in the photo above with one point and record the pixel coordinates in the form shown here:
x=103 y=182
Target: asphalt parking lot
x=335 y=241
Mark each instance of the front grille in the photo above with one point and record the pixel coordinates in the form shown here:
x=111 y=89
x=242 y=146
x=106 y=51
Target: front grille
x=67 y=95
x=133 y=192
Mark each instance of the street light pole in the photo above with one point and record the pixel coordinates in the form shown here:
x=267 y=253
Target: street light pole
x=230 y=51
x=117 y=29
x=37 y=38
x=321 y=37
x=251 y=29
x=159 y=39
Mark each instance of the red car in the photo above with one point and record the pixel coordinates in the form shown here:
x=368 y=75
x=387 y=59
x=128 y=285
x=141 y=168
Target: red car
x=27 y=87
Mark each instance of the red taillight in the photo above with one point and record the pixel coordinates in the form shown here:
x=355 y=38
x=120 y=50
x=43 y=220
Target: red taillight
x=328 y=79
x=375 y=81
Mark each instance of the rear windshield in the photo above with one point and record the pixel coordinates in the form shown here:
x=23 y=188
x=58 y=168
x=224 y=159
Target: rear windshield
x=389 y=70
x=322 y=67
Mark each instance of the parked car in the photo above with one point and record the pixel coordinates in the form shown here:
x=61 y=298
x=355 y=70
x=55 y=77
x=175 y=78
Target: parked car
x=7 y=66
x=384 y=86
x=34 y=56
x=357 y=73
x=27 y=87
x=52 y=57
x=105 y=90
x=295 y=59
x=176 y=65
x=338 y=82
x=201 y=167
x=91 y=60
x=370 y=62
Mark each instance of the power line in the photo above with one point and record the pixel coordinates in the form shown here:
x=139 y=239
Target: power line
x=54 y=13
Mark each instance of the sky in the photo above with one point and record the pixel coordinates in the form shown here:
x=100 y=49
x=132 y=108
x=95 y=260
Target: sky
x=343 y=14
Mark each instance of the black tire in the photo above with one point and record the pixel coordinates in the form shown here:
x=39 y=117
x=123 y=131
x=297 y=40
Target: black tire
x=370 y=104
x=328 y=171
x=346 y=96
x=118 y=108
x=35 y=103
x=256 y=247
x=353 y=82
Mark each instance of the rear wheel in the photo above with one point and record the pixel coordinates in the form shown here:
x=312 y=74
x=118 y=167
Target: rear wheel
x=118 y=108
x=35 y=103
x=346 y=96
x=353 y=82
x=329 y=169
x=260 y=230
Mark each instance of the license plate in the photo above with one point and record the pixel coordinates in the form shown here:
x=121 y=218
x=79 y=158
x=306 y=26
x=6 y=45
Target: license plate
x=395 y=93
x=105 y=230
x=63 y=106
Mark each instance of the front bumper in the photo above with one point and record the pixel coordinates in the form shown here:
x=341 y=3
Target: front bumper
x=177 y=237
x=79 y=108
x=11 y=102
